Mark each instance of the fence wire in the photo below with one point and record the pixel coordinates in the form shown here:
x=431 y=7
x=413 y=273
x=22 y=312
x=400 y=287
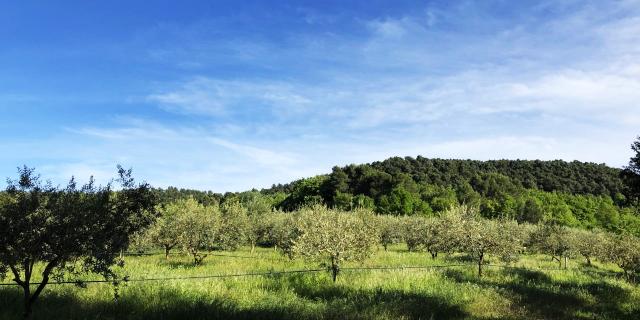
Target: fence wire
x=302 y=271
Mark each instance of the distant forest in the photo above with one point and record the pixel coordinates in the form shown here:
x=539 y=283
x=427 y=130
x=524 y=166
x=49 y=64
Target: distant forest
x=576 y=194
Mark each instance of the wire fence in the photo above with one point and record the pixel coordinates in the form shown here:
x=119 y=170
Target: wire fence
x=303 y=271
x=142 y=254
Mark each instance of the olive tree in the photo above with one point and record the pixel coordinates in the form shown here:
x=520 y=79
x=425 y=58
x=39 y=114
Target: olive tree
x=414 y=231
x=554 y=240
x=590 y=244
x=166 y=231
x=478 y=237
x=68 y=231
x=258 y=208
x=390 y=229
x=235 y=227
x=198 y=228
x=625 y=252
x=334 y=237
x=439 y=235
x=281 y=231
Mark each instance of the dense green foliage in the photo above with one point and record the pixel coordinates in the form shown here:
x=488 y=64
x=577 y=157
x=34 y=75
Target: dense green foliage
x=338 y=239
x=631 y=175
x=333 y=236
x=70 y=231
x=574 y=194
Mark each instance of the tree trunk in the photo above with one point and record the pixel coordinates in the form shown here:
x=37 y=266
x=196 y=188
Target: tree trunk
x=253 y=247
x=335 y=269
x=27 y=301
x=588 y=261
x=480 y=260
x=334 y=272
x=166 y=252
x=29 y=298
x=385 y=247
x=434 y=255
x=557 y=259
x=565 y=262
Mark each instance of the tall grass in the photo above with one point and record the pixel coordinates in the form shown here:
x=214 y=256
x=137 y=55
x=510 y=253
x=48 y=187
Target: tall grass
x=438 y=293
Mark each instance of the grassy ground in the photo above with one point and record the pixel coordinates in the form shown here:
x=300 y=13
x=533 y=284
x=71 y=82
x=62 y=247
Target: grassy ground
x=438 y=293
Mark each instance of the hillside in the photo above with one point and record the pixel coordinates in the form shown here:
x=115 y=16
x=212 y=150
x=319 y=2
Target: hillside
x=571 y=193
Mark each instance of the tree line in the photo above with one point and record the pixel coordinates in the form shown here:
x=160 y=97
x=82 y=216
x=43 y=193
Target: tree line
x=574 y=194
x=333 y=236
x=495 y=194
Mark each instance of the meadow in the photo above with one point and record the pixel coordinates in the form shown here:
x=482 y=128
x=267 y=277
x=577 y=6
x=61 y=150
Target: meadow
x=532 y=288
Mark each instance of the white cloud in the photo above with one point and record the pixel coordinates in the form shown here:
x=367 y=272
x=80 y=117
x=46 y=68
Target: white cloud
x=208 y=96
x=455 y=83
x=389 y=27
x=261 y=156
x=192 y=157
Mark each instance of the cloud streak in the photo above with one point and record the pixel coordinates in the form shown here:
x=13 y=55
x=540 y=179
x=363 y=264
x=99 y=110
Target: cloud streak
x=234 y=102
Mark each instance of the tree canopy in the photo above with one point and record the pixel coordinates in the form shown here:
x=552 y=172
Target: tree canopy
x=70 y=230
x=631 y=174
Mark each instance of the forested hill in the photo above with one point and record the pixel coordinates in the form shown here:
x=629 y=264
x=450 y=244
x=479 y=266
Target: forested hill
x=572 y=193
x=569 y=177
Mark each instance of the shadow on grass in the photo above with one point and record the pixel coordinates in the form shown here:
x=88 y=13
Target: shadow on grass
x=352 y=303
x=542 y=297
x=181 y=264
x=174 y=305
x=459 y=258
x=313 y=301
x=533 y=293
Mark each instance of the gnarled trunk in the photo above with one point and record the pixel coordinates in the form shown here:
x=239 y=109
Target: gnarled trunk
x=166 y=252
x=480 y=261
x=30 y=298
x=335 y=269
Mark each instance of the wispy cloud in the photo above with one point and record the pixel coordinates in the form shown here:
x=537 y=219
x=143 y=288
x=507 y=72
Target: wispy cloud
x=182 y=156
x=233 y=102
x=202 y=95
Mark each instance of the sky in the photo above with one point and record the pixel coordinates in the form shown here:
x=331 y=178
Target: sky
x=234 y=95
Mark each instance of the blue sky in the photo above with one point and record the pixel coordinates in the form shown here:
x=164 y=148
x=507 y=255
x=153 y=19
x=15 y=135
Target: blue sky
x=230 y=95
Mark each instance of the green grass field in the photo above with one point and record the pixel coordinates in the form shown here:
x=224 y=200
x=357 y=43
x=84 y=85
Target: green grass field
x=538 y=292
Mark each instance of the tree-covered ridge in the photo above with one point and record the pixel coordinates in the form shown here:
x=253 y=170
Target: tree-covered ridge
x=569 y=193
x=577 y=194
x=570 y=177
